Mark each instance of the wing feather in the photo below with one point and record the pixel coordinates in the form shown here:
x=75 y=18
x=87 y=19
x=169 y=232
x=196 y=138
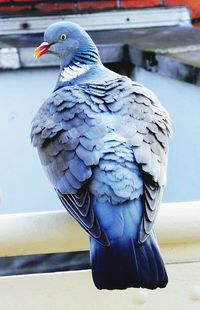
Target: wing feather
x=79 y=207
x=151 y=153
x=66 y=134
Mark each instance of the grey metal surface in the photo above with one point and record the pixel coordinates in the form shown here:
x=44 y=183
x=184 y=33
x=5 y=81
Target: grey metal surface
x=29 y=264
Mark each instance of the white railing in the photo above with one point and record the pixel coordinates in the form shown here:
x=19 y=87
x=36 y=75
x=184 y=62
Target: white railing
x=178 y=231
x=177 y=228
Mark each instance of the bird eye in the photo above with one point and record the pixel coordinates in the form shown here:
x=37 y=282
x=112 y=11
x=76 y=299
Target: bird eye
x=63 y=37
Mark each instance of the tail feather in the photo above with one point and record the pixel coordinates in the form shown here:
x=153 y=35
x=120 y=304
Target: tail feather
x=125 y=263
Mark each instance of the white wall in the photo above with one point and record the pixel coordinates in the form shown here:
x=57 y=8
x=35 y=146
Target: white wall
x=23 y=183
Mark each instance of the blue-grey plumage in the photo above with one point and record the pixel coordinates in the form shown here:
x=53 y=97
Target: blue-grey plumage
x=103 y=141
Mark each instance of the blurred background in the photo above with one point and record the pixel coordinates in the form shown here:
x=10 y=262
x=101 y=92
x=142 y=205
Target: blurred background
x=155 y=42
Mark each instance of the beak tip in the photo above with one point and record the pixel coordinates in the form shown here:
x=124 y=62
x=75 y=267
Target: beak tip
x=36 y=53
x=41 y=50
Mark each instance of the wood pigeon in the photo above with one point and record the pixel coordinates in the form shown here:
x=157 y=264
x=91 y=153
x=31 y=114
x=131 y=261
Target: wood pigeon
x=103 y=142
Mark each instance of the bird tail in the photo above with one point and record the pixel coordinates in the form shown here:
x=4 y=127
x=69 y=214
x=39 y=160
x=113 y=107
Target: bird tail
x=126 y=263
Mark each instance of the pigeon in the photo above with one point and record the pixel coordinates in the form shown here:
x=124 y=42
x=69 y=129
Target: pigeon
x=102 y=140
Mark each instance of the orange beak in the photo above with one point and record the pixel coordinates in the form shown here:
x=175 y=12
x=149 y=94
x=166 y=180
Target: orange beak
x=41 y=50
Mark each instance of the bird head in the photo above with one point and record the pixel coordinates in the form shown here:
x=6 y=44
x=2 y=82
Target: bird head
x=64 y=39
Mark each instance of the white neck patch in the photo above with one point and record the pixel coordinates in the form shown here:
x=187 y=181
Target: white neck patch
x=73 y=72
